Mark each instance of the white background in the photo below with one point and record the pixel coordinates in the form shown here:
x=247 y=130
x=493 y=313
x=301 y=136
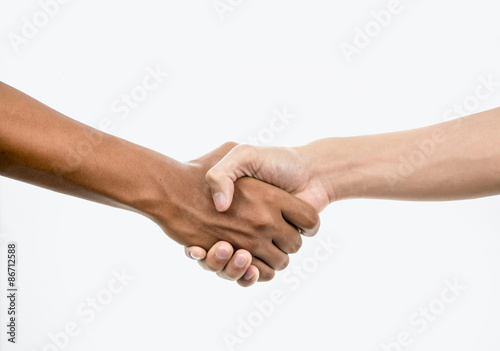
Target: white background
x=226 y=77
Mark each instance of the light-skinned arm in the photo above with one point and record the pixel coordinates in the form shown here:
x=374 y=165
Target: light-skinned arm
x=458 y=159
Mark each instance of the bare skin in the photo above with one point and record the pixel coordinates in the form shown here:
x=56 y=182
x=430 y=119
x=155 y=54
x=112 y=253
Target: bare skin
x=459 y=159
x=43 y=147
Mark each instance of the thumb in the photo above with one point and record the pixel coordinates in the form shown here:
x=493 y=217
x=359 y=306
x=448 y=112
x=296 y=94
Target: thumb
x=221 y=177
x=222 y=188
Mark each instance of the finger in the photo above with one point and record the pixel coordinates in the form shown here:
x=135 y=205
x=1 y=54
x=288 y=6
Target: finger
x=288 y=239
x=300 y=214
x=250 y=277
x=237 y=266
x=195 y=252
x=236 y=164
x=266 y=273
x=217 y=257
x=271 y=255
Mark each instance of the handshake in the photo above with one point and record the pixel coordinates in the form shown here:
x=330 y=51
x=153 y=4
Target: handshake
x=258 y=201
x=43 y=147
x=263 y=219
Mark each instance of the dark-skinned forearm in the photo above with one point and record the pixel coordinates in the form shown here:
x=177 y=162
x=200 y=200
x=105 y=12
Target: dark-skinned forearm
x=43 y=147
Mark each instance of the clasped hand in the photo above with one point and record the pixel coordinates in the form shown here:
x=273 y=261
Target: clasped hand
x=263 y=221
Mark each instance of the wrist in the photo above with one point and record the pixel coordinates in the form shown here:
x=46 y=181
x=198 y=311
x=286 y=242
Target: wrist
x=326 y=168
x=154 y=194
x=346 y=168
x=127 y=176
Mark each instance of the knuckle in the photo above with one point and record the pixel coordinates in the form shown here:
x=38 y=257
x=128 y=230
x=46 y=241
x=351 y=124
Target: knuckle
x=297 y=245
x=267 y=275
x=269 y=196
x=246 y=152
x=312 y=218
x=283 y=263
x=250 y=152
x=210 y=176
x=213 y=175
x=265 y=220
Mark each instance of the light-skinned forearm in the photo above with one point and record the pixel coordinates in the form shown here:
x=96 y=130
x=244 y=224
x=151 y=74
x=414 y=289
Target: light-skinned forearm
x=459 y=159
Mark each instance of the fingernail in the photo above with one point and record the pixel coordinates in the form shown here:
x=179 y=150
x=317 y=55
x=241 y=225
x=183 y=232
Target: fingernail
x=248 y=275
x=240 y=261
x=220 y=201
x=194 y=256
x=222 y=253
